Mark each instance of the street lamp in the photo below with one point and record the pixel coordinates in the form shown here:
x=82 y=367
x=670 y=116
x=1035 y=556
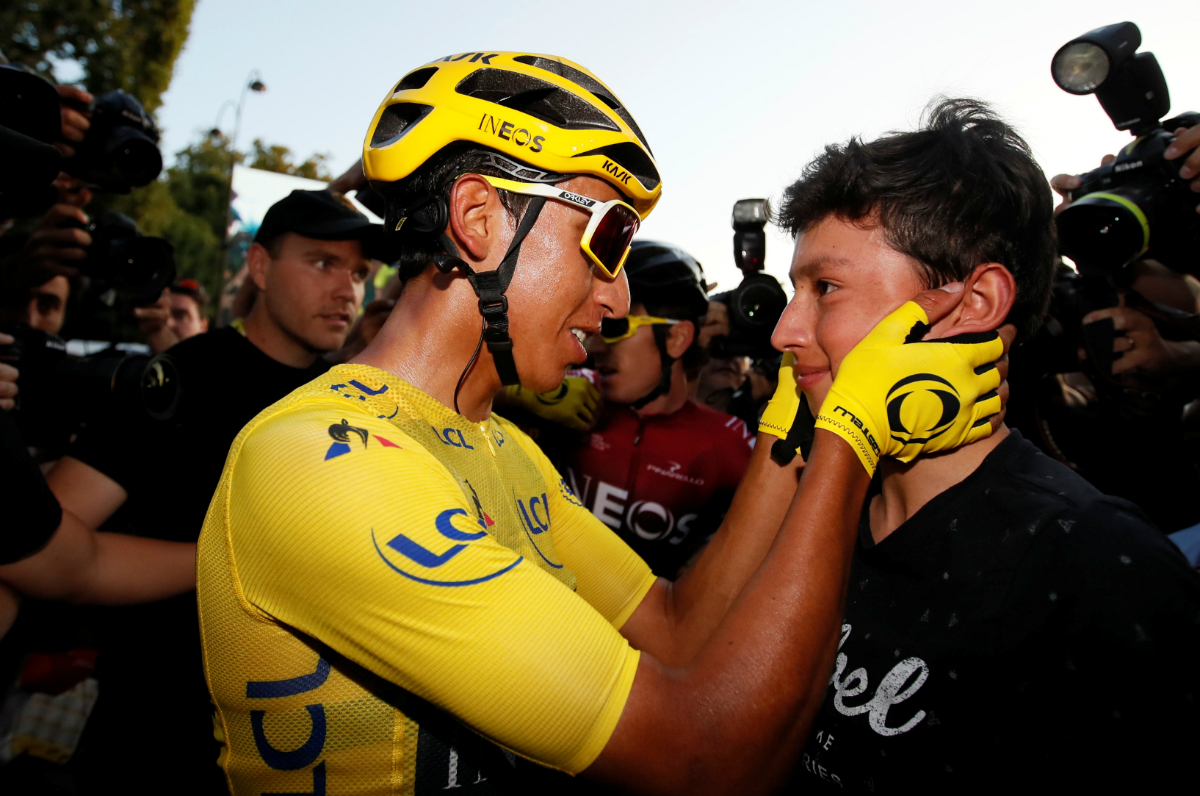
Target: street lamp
x=253 y=83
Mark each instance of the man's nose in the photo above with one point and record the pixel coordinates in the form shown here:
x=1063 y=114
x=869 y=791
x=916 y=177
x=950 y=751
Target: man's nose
x=612 y=295
x=344 y=285
x=794 y=329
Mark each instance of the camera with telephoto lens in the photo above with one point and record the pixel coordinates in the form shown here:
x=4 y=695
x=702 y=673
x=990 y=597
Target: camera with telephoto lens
x=756 y=304
x=120 y=150
x=1138 y=205
x=30 y=123
x=122 y=261
x=58 y=391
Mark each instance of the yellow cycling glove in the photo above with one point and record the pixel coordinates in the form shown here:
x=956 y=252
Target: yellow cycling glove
x=897 y=396
x=787 y=416
x=571 y=404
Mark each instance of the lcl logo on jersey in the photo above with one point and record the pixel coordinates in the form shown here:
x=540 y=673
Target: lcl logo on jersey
x=534 y=513
x=362 y=392
x=914 y=392
x=419 y=560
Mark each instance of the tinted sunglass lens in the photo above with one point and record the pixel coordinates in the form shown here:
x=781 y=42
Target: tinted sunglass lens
x=612 y=328
x=613 y=235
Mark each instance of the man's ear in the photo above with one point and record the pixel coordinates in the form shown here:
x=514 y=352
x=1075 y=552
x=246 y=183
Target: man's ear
x=679 y=338
x=987 y=297
x=475 y=216
x=258 y=260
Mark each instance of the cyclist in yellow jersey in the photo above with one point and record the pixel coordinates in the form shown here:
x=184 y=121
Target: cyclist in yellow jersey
x=398 y=593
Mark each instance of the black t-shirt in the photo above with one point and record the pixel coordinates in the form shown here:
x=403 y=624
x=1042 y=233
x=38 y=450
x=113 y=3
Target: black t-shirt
x=171 y=469
x=152 y=690
x=1020 y=630
x=32 y=511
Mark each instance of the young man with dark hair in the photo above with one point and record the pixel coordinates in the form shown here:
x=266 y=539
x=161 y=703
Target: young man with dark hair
x=1006 y=624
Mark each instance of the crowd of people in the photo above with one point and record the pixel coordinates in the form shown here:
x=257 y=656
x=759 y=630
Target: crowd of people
x=522 y=524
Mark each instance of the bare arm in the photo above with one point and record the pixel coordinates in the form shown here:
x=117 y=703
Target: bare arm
x=80 y=564
x=674 y=620
x=763 y=670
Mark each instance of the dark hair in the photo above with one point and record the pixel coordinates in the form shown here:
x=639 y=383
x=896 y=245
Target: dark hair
x=436 y=177
x=195 y=290
x=961 y=191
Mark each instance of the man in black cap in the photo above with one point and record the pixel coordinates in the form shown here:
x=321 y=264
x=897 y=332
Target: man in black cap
x=309 y=262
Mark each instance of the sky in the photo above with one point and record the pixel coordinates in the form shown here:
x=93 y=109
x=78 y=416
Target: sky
x=734 y=98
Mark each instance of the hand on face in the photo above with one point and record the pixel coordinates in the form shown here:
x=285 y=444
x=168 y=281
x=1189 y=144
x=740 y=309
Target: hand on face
x=847 y=279
x=898 y=394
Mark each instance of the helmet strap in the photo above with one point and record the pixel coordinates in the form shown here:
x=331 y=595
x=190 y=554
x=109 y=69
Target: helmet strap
x=489 y=287
x=668 y=361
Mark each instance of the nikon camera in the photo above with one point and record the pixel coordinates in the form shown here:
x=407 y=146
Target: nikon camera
x=756 y=304
x=120 y=151
x=1138 y=205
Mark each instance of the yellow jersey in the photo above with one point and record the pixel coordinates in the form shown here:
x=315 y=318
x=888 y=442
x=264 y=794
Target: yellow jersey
x=373 y=564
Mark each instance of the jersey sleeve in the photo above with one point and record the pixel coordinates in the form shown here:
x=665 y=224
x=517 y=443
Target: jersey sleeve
x=373 y=550
x=610 y=575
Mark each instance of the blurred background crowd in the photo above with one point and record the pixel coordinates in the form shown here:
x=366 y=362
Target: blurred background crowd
x=141 y=325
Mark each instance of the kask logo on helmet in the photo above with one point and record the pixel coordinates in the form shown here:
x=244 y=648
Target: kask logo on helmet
x=483 y=58
x=918 y=413
x=510 y=132
x=617 y=172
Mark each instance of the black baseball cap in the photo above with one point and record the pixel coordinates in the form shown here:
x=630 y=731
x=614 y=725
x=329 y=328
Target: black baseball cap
x=323 y=216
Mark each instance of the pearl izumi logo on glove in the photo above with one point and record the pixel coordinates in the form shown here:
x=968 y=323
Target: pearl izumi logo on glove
x=919 y=385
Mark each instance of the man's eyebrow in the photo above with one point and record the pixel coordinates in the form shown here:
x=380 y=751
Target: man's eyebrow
x=822 y=262
x=324 y=254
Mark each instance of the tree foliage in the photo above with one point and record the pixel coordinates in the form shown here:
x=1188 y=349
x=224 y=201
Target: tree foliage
x=273 y=157
x=125 y=44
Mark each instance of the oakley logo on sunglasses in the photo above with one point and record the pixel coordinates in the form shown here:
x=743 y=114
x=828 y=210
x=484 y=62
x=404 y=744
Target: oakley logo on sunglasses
x=617 y=171
x=577 y=199
x=510 y=132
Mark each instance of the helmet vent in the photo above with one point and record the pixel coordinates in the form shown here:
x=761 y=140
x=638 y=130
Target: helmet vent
x=535 y=97
x=633 y=159
x=395 y=121
x=587 y=83
x=415 y=79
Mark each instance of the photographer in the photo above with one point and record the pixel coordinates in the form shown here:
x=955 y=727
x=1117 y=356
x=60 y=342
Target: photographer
x=1149 y=382
x=181 y=312
x=308 y=262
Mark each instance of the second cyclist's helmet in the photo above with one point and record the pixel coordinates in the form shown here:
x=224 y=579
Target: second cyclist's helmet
x=662 y=275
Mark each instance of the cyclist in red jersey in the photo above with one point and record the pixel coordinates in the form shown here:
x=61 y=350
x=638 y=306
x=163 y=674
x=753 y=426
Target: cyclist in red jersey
x=658 y=468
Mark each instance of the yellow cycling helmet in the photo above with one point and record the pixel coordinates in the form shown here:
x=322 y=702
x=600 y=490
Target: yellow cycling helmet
x=542 y=110
x=536 y=120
